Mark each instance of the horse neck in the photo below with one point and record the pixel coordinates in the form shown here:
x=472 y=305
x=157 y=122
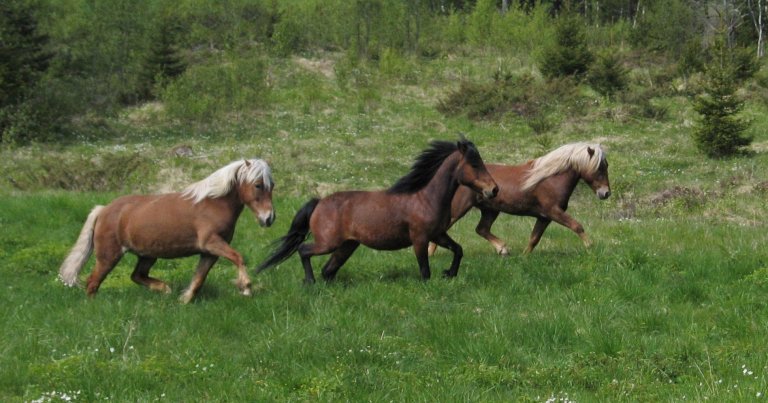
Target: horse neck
x=232 y=201
x=570 y=179
x=440 y=190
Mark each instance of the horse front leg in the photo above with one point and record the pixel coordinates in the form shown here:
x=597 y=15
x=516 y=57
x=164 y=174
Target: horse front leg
x=201 y=272
x=446 y=242
x=564 y=219
x=420 y=248
x=217 y=246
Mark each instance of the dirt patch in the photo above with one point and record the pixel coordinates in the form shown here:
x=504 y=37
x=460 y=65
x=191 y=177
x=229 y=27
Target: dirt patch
x=688 y=197
x=321 y=66
x=171 y=180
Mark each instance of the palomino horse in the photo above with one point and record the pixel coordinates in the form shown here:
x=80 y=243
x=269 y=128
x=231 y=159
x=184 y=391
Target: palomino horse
x=415 y=211
x=539 y=188
x=200 y=220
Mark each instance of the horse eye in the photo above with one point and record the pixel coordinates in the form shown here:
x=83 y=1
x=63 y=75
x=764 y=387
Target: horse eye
x=259 y=186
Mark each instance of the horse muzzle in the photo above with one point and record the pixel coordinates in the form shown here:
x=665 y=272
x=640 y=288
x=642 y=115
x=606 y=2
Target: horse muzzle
x=491 y=193
x=603 y=193
x=266 y=219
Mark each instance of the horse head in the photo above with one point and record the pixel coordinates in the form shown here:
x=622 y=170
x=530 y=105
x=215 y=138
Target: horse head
x=255 y=190
x=597 y=177
x=471 y=171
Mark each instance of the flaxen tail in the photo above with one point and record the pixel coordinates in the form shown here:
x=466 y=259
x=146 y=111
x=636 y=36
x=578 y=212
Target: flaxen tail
x=289 y=244
x=81 y=251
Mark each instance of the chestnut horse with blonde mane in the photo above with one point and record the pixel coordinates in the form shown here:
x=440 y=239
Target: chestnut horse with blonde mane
x=539 y=188
x=198 y=221
x=415 y=211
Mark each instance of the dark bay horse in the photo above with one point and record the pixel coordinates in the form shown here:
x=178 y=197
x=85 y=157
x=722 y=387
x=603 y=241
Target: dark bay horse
x=200 y=220
x=539 y=188
x=415 y=211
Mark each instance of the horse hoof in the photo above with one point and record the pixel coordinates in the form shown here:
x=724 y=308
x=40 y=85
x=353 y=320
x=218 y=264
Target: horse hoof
x=448 y=274
x=504 y=252
x=186 y=298
x=246 y=292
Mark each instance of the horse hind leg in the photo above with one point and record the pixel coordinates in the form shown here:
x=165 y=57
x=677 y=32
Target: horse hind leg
x=201 y=272
x=104 y=265
x=338 y=258
x=445 y=241
x=538 y=229
x=307 y=250
x=140 y=275
x=487 y=218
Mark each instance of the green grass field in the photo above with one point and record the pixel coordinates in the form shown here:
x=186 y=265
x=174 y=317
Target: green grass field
x=669 y=304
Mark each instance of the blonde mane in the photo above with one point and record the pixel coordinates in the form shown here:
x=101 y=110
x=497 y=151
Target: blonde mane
x=570 y=156
x=221 y=182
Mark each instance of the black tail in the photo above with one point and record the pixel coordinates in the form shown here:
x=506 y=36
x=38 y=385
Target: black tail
x=289 y=244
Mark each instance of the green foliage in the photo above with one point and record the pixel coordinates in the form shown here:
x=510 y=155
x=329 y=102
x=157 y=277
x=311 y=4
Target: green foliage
x=481 y=22
x=671 y=26
x=288 y=37
x=522 y=95
x=720 y=133
x=23 y=61
x=569 y=55
x=607 y=75
x=209 y=91
x=163 y=61
x=692 y=58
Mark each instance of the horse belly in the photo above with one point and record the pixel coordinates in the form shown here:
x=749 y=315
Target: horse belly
x=146 y=232
x=380 y=230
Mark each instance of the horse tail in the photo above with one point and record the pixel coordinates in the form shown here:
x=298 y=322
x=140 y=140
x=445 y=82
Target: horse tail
x=81 y=251
x=297 y=234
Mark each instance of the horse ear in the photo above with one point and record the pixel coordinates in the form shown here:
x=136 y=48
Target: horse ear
x=247 y=163
x=591 y=152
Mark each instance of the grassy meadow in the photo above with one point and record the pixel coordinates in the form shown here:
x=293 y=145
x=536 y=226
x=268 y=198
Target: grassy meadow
x=669 y=304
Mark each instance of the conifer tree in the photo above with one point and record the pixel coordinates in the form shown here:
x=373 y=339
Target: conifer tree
x=570 y=55
x=162 y=61
x=23 y=58
x=720 y=133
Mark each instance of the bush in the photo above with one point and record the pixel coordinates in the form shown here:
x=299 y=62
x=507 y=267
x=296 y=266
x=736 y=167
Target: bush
x=210 y=91
x=524 y=96
x=607 y=76
x=569 y=56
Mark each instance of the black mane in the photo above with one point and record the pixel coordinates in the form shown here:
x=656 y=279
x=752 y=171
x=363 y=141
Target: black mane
x=427 y=163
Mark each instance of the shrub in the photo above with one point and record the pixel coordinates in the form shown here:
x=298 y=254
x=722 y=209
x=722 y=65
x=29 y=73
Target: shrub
x=210 y=91
x=569 y=56
x=607 y=76
x=523 y=96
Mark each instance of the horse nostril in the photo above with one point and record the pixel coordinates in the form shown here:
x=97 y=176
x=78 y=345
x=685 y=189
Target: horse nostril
x=607 y=194
x=495 y=191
